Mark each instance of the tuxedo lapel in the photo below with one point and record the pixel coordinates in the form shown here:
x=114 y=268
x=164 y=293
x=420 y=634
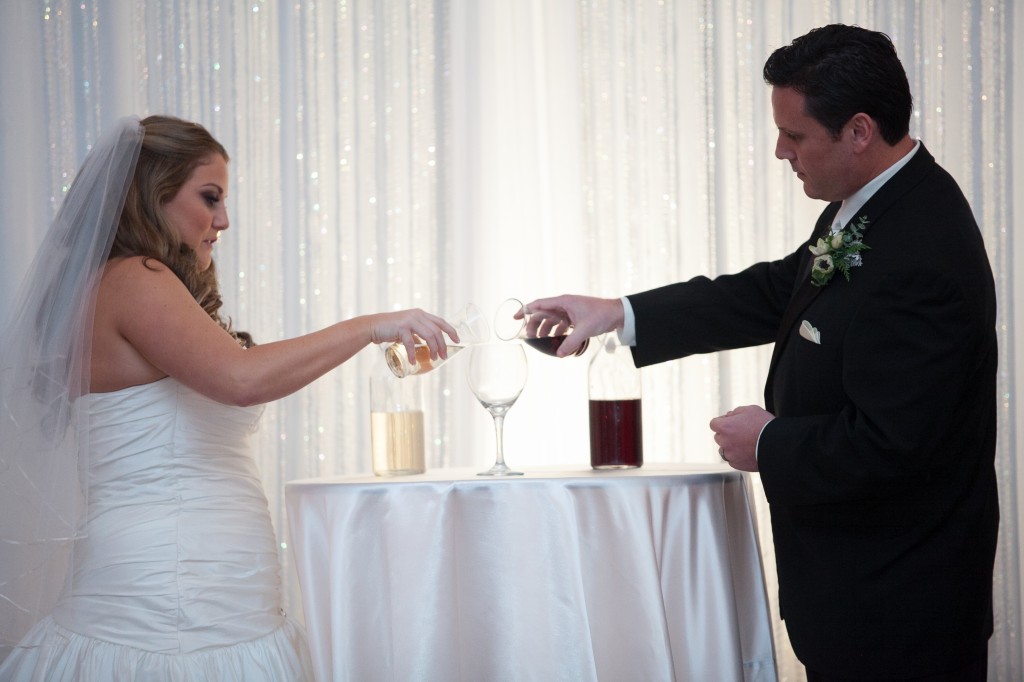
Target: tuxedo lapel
x=803 y=293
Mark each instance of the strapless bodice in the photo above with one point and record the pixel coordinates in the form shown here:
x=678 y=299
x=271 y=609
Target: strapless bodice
x=179 y=553
x=177 y=577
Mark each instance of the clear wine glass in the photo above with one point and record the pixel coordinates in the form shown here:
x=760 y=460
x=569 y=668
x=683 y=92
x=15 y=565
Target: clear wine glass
x=497 y=374
x=543 y=331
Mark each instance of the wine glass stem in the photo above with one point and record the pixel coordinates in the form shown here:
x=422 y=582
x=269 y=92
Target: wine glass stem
x=499 y=423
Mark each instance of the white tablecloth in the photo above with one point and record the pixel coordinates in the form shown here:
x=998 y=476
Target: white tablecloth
x=651 y=574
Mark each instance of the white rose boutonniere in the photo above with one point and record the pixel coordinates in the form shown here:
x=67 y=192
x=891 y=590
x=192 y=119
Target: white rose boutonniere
x=840 y=251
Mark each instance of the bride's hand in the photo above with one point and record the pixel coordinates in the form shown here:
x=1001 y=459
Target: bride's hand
x=412 y=326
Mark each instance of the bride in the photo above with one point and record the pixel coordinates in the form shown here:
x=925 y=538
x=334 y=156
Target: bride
x=137 y=542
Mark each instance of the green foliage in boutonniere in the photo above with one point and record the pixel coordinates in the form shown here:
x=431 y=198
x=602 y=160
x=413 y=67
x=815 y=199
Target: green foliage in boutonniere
x=840 y=251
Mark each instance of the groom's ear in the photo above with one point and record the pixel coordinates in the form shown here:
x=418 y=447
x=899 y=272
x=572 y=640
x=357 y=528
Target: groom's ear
x=862 y=130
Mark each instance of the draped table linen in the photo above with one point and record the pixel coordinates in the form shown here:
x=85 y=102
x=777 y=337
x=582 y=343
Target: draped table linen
x=648 y=574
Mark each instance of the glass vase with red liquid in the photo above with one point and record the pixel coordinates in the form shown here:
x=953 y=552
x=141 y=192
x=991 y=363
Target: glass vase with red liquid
x=616 y=425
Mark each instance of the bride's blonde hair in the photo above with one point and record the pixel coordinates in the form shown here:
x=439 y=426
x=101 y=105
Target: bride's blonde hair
x=172 y=148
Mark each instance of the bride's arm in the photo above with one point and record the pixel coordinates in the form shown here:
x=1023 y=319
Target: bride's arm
x=154 y=313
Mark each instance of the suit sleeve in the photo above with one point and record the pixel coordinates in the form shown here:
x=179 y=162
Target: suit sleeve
x=706 y=315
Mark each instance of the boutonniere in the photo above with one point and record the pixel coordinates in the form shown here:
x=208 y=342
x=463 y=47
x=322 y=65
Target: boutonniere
x=840 y=251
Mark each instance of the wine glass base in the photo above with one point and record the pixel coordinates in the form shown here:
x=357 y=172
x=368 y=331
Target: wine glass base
x=500 y=470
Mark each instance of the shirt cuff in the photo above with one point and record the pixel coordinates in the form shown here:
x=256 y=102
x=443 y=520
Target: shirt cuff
x=757 y=446
x=627 y=335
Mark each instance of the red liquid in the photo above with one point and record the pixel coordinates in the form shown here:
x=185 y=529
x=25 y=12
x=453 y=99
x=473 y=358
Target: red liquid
x=549 y=344
x=616 y=434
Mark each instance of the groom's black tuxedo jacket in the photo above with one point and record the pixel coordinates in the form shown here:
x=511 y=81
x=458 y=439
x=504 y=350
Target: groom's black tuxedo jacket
x=879 y=464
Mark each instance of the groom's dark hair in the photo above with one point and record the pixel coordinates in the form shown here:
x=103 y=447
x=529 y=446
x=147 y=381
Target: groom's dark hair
x=844 y=70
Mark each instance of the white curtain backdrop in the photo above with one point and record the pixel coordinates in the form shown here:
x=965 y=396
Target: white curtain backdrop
x=388 y=154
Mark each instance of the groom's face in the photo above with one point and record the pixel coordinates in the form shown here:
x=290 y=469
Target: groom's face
x=822 y=162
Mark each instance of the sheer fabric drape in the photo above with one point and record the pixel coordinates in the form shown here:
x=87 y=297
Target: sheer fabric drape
x=393 y=154
x=44 y=368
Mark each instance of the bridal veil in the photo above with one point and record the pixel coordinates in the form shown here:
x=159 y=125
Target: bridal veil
x=44 y=366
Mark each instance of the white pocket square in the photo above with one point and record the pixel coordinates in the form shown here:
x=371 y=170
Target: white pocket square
x=808 y=331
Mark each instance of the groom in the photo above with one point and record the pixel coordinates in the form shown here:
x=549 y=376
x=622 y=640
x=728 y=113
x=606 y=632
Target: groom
x=876 y=443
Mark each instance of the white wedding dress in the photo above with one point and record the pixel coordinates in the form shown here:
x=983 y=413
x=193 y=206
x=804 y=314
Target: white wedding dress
x=178 y=577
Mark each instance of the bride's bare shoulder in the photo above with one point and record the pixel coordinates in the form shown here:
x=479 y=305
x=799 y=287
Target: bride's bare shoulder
x=133 y=266
x=134 y=272
x=138 y=286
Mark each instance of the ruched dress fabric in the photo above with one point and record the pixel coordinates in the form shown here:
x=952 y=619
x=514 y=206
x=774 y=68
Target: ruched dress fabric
x=178 y=576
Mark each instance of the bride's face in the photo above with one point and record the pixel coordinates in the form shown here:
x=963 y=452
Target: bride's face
x=197 y=213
